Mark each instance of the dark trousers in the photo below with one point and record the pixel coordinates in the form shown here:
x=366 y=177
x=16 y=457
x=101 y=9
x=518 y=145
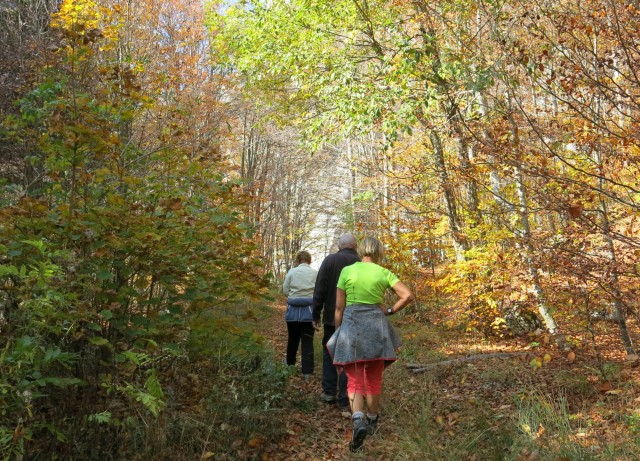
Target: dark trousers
x=300 y=333
x=333 y=383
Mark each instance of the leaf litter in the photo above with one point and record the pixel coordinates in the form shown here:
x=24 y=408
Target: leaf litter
x=461 y=395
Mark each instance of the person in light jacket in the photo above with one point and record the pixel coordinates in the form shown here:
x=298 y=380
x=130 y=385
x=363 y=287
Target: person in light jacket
x=298 y=286
x=364 y=342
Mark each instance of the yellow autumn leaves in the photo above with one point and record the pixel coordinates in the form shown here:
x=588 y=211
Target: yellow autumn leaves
x=538 y=362
x=84 y=18
x=74 y=14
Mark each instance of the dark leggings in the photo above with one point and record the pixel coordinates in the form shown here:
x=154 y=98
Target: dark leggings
x=300 y=333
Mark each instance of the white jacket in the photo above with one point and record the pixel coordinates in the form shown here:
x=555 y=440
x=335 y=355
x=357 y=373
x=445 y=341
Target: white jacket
x=300 y=282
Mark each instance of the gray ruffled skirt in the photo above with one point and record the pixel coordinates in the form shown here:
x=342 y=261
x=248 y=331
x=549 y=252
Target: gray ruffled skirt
x=365 y=334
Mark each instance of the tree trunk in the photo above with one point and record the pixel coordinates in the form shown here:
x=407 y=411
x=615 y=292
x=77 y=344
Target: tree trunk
x=532 y=268
x=529 y=260
x=606 y=226
x=613 y=261
x=459 y=241
x=465 y=153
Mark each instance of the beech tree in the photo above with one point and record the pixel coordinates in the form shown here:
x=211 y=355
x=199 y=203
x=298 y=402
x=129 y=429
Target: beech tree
x=290 y=190
x=134 y=226
x=582 y=92
x=514 y=109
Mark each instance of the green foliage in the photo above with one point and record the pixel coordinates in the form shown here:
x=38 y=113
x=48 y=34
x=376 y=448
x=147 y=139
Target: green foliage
x=346 y=79
x=35 y=311
x=214 y=335
x=106 y=258
x=27 y=368
x=231 y=390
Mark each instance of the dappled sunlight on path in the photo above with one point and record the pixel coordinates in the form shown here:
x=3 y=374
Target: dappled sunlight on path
x=315 y=430
x=470 y=410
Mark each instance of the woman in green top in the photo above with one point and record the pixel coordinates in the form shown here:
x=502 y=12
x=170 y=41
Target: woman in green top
x=364 y=342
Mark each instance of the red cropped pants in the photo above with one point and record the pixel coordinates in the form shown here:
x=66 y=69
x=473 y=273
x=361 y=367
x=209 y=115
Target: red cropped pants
x=365 y=377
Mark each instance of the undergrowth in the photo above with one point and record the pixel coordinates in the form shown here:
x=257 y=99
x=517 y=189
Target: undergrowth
x=222 y=397
x=503 y=411
x=228 y=399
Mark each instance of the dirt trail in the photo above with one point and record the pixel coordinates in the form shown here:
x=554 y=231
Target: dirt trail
x=315 y=430
x=467 y=409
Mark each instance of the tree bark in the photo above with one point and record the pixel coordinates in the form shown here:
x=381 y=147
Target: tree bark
x=526 y=237
x=459 y=241
x=532 y=268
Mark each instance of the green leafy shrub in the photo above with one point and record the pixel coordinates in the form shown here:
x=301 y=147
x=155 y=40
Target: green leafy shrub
x=107 y=256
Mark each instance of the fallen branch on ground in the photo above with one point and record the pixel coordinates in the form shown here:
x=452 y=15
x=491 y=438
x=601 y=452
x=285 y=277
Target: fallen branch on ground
x=419 y=367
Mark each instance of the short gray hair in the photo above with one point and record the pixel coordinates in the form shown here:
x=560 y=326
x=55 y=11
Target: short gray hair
x=347 y=241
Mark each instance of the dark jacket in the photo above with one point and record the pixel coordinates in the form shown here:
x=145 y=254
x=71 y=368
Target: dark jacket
x=324 y=295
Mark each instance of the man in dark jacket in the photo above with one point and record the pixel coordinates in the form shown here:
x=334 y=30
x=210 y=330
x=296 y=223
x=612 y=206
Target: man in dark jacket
x=324 y=297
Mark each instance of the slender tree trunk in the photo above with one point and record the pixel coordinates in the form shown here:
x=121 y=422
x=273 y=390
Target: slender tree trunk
x=459 y=241
x=606 y=226
x=352 y=182
x=613 y=261
x=465 y=154
x=615 y=284
x=532 y=268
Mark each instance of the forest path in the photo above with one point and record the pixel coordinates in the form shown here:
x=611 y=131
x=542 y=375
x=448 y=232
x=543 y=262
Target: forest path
x=467 y=411
x=316 y=430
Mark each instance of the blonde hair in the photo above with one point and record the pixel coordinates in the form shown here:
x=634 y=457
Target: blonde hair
x=303 y=257
x=371 y=247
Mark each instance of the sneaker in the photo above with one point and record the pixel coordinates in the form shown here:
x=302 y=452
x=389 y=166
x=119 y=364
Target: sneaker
x=373 y=425
x=360 y=432
x=326 y=398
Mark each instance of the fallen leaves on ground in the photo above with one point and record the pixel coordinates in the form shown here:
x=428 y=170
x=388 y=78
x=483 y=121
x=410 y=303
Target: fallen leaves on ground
x=320 y=432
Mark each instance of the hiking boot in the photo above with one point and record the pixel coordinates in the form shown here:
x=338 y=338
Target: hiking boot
x=373 y=425
x=344 y=406
x=326 y=398
x=360 y=432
